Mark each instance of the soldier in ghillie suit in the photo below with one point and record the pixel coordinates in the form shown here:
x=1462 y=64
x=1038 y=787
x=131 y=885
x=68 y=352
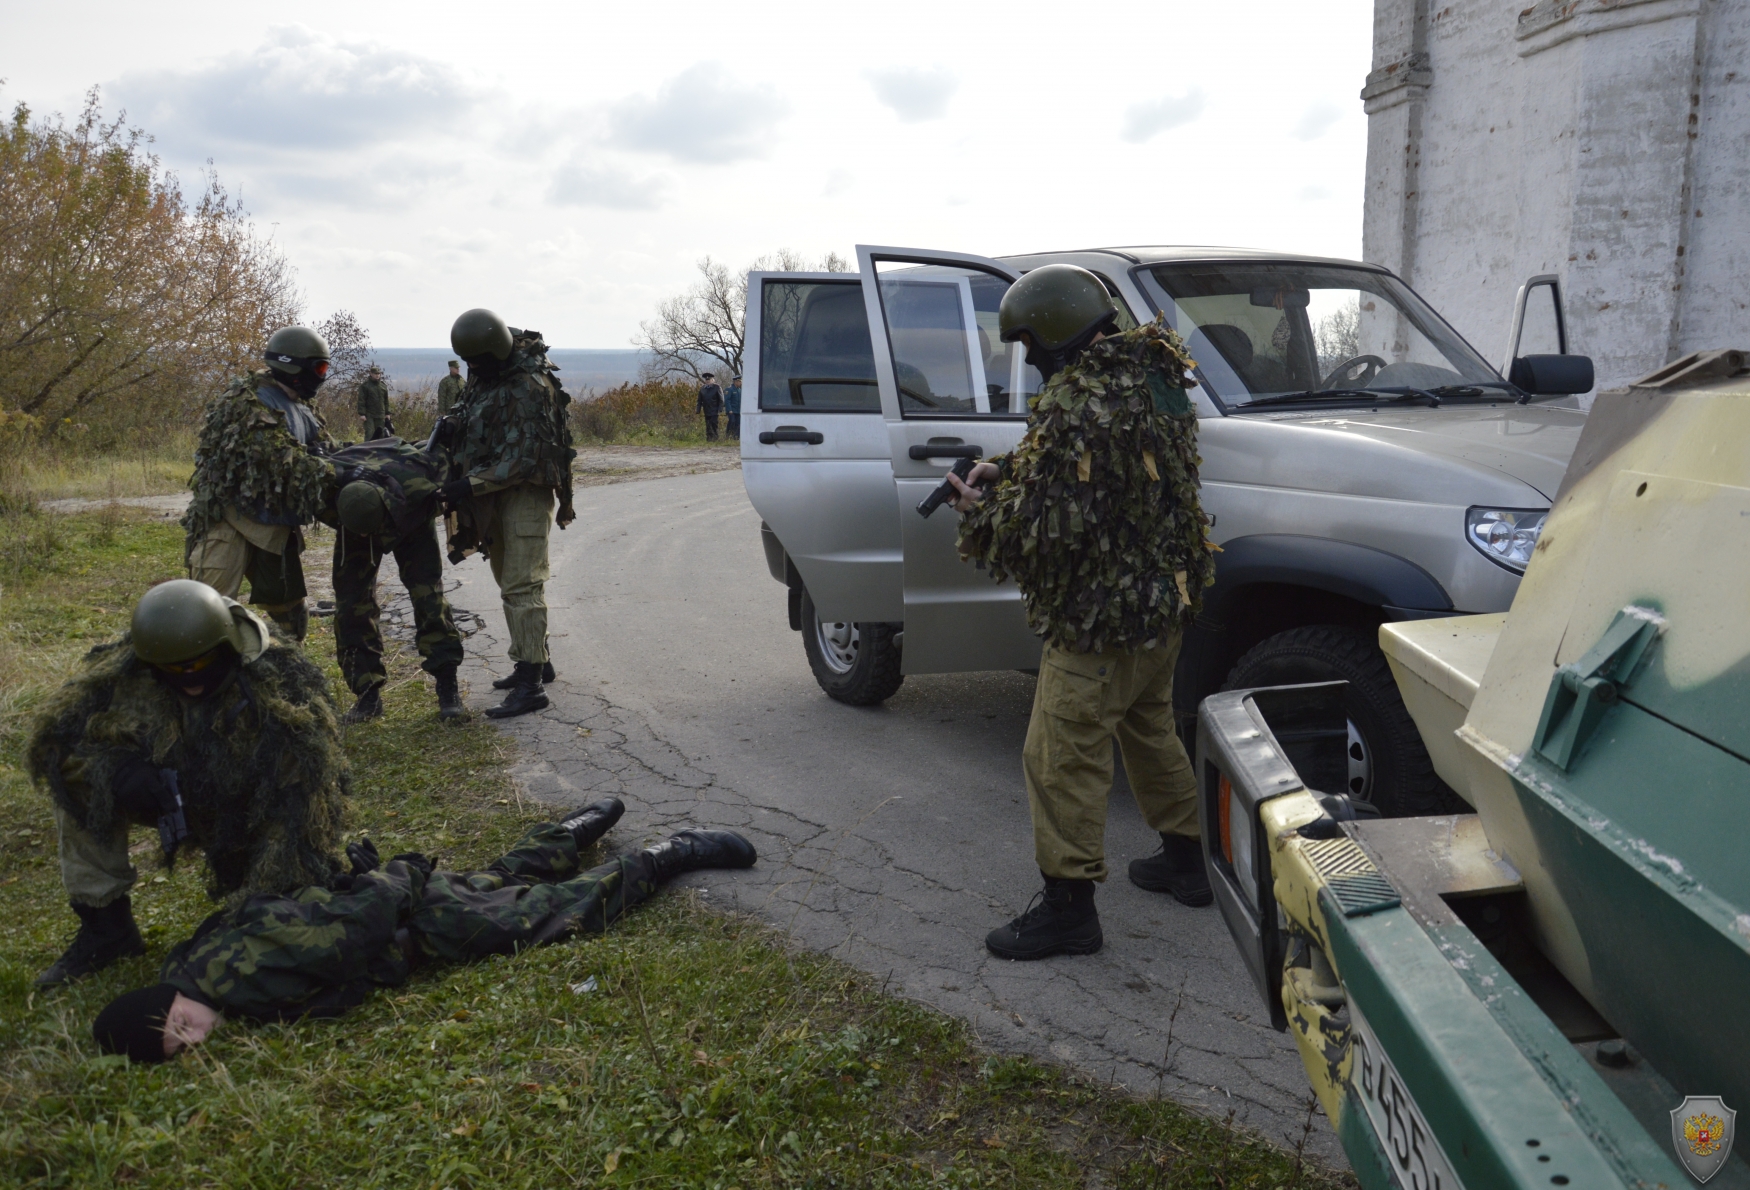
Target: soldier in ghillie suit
x=259 y=477
x=373 y=405
x=1095 y=516
x=202 y=723
x=509 y=446
x=320 y=951
x=387 y=503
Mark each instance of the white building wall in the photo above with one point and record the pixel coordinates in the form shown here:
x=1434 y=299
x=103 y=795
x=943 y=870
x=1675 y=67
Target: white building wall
x=1605 y=141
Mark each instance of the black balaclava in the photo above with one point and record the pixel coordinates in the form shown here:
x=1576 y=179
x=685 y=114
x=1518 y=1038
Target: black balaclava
x=211 y=680
x=1048 y=363
x=133 y=1023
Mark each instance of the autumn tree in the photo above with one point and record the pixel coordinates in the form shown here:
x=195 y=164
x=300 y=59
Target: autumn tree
x=705 y=328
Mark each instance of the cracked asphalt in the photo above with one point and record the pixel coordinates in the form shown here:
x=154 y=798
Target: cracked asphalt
x=893 y=836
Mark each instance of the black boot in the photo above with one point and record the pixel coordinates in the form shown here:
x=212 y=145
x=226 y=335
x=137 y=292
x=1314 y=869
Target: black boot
x=449 y=695
x=1176 y=868
x=591 y=822
x=547 y=675
x=368 y=706
x=691 y=850
x=1061 y=920
x=105 y=936
x=525 y=693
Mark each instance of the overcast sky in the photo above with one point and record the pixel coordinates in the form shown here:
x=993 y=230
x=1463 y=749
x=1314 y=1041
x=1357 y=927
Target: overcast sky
x=567 y=164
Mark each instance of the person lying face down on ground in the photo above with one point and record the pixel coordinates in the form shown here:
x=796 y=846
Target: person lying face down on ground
x=320 y=950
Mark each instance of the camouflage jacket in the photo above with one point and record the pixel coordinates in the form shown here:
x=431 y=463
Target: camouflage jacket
x=512 y=428
x=410 y=479
x=1096 y=517
x=449 y=392
x=373 y=402
x=262 y=774
x=259 y=453
x=320 y=950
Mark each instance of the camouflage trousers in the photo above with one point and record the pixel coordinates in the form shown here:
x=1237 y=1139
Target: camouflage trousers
x=518 y=520
x=1082 y=702
x=358 y=640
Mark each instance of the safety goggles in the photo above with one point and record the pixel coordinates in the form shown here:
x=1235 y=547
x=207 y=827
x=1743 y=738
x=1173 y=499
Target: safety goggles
x=185 y=669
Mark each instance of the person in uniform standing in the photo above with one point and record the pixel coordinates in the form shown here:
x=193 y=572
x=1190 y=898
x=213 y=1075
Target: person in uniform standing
x=711 y=405
x=1096 y=518
x=732 y=407
x=387 y=505
x=320 y=951
x=259 y=477
x=202 y=723
x=373 y=405
x=510 y=458
x=450 y=389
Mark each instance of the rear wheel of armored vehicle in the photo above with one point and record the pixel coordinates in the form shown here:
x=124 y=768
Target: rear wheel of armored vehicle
x=1388 y=765
x=856 y=663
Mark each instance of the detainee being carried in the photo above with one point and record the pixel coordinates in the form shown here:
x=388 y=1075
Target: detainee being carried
x=321 y=950
x=202 y=723
x=1095 y=517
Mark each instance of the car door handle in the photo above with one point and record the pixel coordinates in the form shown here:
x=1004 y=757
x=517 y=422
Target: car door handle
x=944 y=451
x=792 y=434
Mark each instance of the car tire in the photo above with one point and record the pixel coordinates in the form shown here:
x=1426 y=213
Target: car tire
x=855 y=663
x=1389 y=766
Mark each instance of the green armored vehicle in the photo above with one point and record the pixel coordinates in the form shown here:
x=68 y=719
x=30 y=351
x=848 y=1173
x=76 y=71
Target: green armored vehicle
x=1554 y=989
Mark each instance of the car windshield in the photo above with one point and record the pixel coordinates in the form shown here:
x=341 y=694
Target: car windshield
x=1276 y=334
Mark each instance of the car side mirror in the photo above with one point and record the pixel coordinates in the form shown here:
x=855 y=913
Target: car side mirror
x=1552 y=375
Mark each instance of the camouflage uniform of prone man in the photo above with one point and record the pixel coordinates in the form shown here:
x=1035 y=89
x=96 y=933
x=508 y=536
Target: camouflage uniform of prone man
x=321 y=950
x=509 y=449
x=386 y=505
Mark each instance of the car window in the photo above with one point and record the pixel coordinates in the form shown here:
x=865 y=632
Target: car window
x=948 y=353
x=815 y=351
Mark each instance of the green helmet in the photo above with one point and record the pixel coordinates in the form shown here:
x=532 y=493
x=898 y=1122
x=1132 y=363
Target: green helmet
x=1056 y=304
x=291 y=349
x=480 y=332
x=362 y=508
x=179 y=620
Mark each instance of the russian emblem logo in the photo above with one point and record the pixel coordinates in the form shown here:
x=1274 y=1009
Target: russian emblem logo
x=1702 y=1130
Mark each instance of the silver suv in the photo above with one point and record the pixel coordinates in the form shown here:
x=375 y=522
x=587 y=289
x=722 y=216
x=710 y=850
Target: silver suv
x=1361 y=462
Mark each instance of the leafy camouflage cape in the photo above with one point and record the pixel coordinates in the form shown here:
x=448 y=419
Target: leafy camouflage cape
x=320 y=950
x=248 y=459
x=1096 y=516
x=264 y=780
x=512 y=429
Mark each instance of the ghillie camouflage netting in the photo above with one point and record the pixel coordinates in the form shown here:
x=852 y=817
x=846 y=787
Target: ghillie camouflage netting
x=1096 y=517
x=248 y=459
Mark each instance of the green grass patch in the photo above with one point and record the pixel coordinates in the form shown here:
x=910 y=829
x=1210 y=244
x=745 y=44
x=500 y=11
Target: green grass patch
x=685 y=1048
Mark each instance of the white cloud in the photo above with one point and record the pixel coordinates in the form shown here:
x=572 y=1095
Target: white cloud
x=914 y=94
x=297 y=91
x=1146 y=120
x=1316 y=121
x=701 y=116
x=584 y=183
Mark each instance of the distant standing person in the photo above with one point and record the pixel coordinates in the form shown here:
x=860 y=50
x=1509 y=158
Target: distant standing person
x=374 y=404
x=711 y=405
x=732 y=406
x=450 y=389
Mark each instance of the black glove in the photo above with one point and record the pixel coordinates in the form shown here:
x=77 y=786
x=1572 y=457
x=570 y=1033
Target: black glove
x=363 y=855
x=414 y=860
x=135 y=789
x=457 y=493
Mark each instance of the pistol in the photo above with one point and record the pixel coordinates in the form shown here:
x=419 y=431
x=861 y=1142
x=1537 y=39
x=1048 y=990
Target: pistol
x=946 y=491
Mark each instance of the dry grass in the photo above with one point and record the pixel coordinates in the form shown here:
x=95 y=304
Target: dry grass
x=656 y=414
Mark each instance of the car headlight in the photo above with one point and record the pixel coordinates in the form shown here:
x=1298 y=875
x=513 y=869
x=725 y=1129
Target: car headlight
x=1505 y=535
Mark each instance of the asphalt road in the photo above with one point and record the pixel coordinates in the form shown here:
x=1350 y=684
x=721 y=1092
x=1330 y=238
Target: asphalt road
x=894 y=836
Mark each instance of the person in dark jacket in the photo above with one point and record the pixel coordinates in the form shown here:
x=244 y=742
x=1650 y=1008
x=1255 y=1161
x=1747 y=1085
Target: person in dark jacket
x=321 y=950
x=711 y=405
x=732 y=406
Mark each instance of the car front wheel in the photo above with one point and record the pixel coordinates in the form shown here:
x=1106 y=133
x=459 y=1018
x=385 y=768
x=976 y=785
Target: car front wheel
x=856 y=663
x=1387 y=762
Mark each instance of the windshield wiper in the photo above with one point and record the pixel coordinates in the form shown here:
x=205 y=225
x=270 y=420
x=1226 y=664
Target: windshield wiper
x=1450 y=391
x=1375 y=395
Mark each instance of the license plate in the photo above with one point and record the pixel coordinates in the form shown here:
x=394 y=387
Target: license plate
x=1412 y=1154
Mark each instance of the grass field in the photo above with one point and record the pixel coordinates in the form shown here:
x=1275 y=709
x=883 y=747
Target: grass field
x=685 y=1048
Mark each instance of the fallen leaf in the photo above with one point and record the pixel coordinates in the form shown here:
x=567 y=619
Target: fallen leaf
x=994 y=1142
x=533 y=1088
x=613 y=1161
x=461 y=1014
x=465 y=1128
x=699 y=1058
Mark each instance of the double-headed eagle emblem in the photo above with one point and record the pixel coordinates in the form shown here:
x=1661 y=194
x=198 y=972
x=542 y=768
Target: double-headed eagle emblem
x=1702 y=1128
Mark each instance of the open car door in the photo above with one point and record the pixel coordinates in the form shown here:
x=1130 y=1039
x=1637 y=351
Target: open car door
x=950 y=389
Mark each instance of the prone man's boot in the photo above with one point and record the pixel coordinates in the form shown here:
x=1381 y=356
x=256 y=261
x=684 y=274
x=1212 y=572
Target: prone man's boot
x=449 y=695
x=547 y=675
x=591 y=822
x=1176 y=868
x=525 y=693
x=105 y=936
x=690 y=850
x=369 y=706
x=1060 y=920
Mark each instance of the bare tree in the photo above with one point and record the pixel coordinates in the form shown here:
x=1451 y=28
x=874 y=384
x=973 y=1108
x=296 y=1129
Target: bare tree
x=1338 y=335
x=705 y=328
x=349 y=349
